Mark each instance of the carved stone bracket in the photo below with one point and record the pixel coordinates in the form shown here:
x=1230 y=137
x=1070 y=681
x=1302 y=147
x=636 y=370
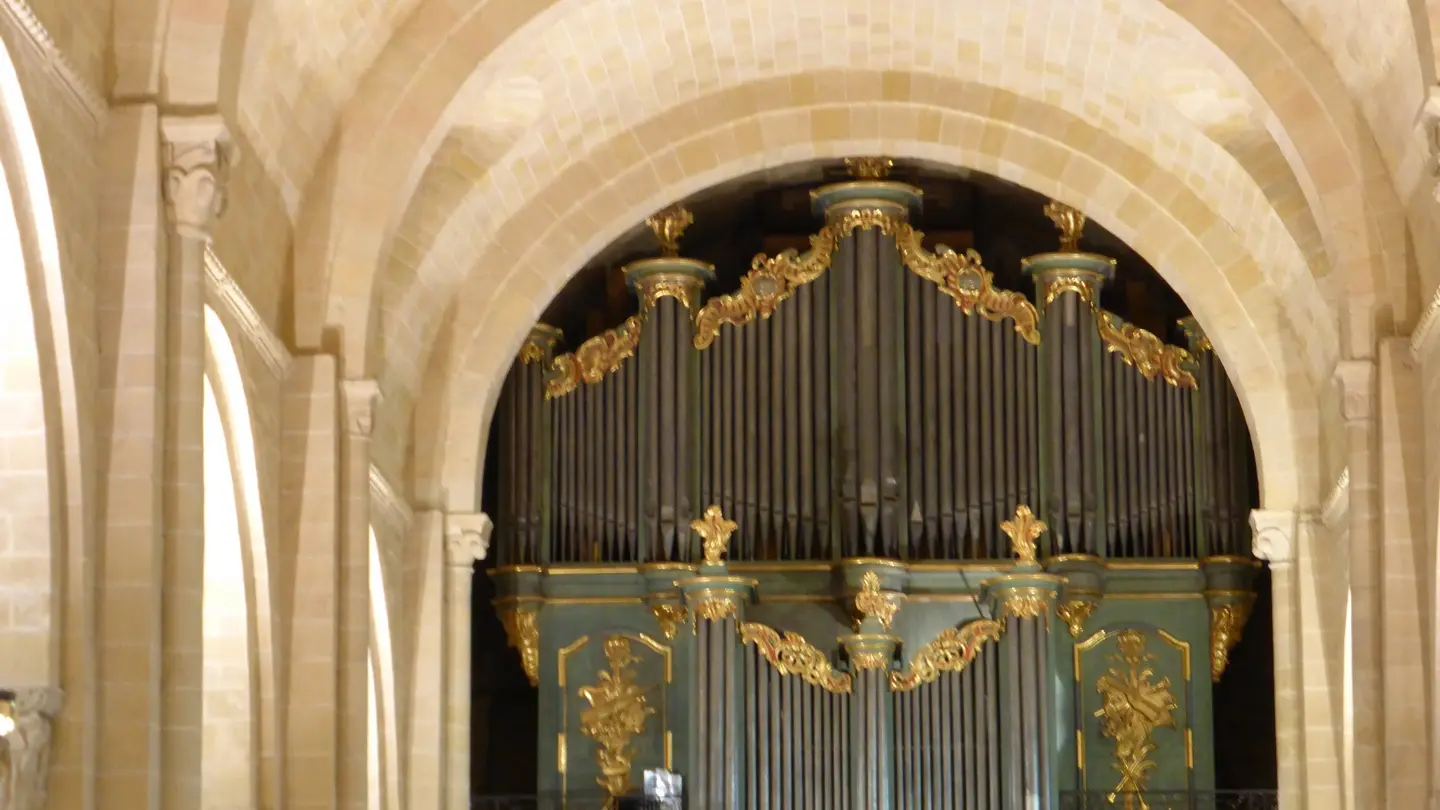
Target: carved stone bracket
x=198 y=156
x=1357 y=389
x=361 y=398
x=1274 y=533
x=25 y=751
x=467 y=539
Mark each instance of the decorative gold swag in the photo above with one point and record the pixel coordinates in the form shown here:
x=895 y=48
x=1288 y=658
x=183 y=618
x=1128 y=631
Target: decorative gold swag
x=771 y=280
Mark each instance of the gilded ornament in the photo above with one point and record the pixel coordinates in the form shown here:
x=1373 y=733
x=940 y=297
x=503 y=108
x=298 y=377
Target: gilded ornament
x=595 y=358
x=1133 y=705
x=1199 y=341
x=1026 y=603
x=532 y=352
x=714 y=531
x=869 y=168
x=951 y=651
x=1226 y=623
x=1074 y=613
x=870 y=659
x=714 y=606
x=791 y=654
x=681 y=287
x=616 y=715
x=964 y=278
x=668 y=226
x=670 y=616
x=522 y=631
x=873 y=603
x=1145 y=352
x=1059 y=285
x=1069 y=221
x=1023 y=530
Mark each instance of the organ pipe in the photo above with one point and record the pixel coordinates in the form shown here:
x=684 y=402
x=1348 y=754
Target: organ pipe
x=523 y=510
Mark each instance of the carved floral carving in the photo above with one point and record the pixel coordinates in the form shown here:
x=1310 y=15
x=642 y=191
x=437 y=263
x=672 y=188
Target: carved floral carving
x=467 y=538
x=198 y=154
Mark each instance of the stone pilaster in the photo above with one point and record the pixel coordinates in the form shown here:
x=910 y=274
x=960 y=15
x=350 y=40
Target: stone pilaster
x=25 y=730
x=197 y=154
x=359 y=398
x=1274 y=541
x=467 y=541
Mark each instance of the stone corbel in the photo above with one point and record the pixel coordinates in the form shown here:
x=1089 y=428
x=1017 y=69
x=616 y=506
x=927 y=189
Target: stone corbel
x=198 y=156
x=25 y=750
x=361 y=399
x=1357 y=389
x=467 y=538
x=1274 y=535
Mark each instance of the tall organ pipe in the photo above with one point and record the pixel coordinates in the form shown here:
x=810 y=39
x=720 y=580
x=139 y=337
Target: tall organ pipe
x=1219 y=454
x=1072 y=482
x=668 y=419
x=523 y=508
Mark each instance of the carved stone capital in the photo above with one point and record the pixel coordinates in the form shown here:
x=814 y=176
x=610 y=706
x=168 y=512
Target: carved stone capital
x=467 y=538
x=1357 y=388
x=25 y=750
x=198 y=156
x=361 y=397
x=1274 y=535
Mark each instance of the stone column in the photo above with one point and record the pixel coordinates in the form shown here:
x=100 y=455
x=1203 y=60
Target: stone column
x=1357 y=387
x=467 y=539
x=25 y=728
x=1274 y=542
x=197 y=157
x=360 y=398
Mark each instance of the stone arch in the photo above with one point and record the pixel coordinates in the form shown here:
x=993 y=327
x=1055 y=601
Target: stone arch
x=1197 y=252
x=45 y=497
x=235 y=534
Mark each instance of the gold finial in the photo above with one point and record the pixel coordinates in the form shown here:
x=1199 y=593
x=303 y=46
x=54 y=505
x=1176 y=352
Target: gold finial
x=714 y=531
x=873 y=603
x=1024 y=529
x=869 y=168
x=1070 y=222
x=668 y=226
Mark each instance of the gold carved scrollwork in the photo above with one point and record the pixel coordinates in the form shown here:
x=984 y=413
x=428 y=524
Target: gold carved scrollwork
x=670 y=617
x=594 y=359
x=869 y=168
x=714 y=531
x=1132 y=705
x=772 y=280
x=532 y=352
x=1058 y=286
x=869 y=659
x=616 y=715
x=668 y=226
x=873 y=603
x=1226 y=623
x=681 y=288
x=522 y=631
x=1026 y=603
x=1145 y=352
x=716 y=605
x=792 y=655
x=1023 y=530
x=951 y=651
x=1074 y=613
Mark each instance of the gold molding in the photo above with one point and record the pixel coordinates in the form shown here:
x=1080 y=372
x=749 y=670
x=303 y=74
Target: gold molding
x=1143 y=351
x=670 y=616
x=522 y=631
x=951 y=651
x=1074 y=613
x=791 y=654
x=617 y=713
x=1026 y=603
x=1227 y=622
x=1132 y=707
x=596 y=357
x=963 y=277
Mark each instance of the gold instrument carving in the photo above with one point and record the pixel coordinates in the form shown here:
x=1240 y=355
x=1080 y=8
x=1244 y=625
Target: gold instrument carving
x=1145 y=352
x=670 y=616
x=594 y=359
x=1133 y=705
x=791 y=654
x=1226 y=623
x=873 y=603
x=616 y=715
x=668 y=226
x=1023 y=530
x=772 y=280
x=1026 y=603
x=522 y=631
x=714 y=531
x=1074 y=613
x=951 y=651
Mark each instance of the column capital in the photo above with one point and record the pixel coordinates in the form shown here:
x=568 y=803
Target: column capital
x=27 y=741
x=198 y=156
x=361 y=398
x=1357 y=388
x=467 y=538
x=1274 y=535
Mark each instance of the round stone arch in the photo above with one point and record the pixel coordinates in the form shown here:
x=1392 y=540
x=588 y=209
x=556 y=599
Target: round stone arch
x=1198 y=255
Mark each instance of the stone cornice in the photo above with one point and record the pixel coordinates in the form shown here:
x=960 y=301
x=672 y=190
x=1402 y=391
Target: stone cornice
x=225 y=295
x=23 y=21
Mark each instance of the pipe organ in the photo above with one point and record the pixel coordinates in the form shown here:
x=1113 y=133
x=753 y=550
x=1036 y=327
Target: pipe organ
x=872 y=530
